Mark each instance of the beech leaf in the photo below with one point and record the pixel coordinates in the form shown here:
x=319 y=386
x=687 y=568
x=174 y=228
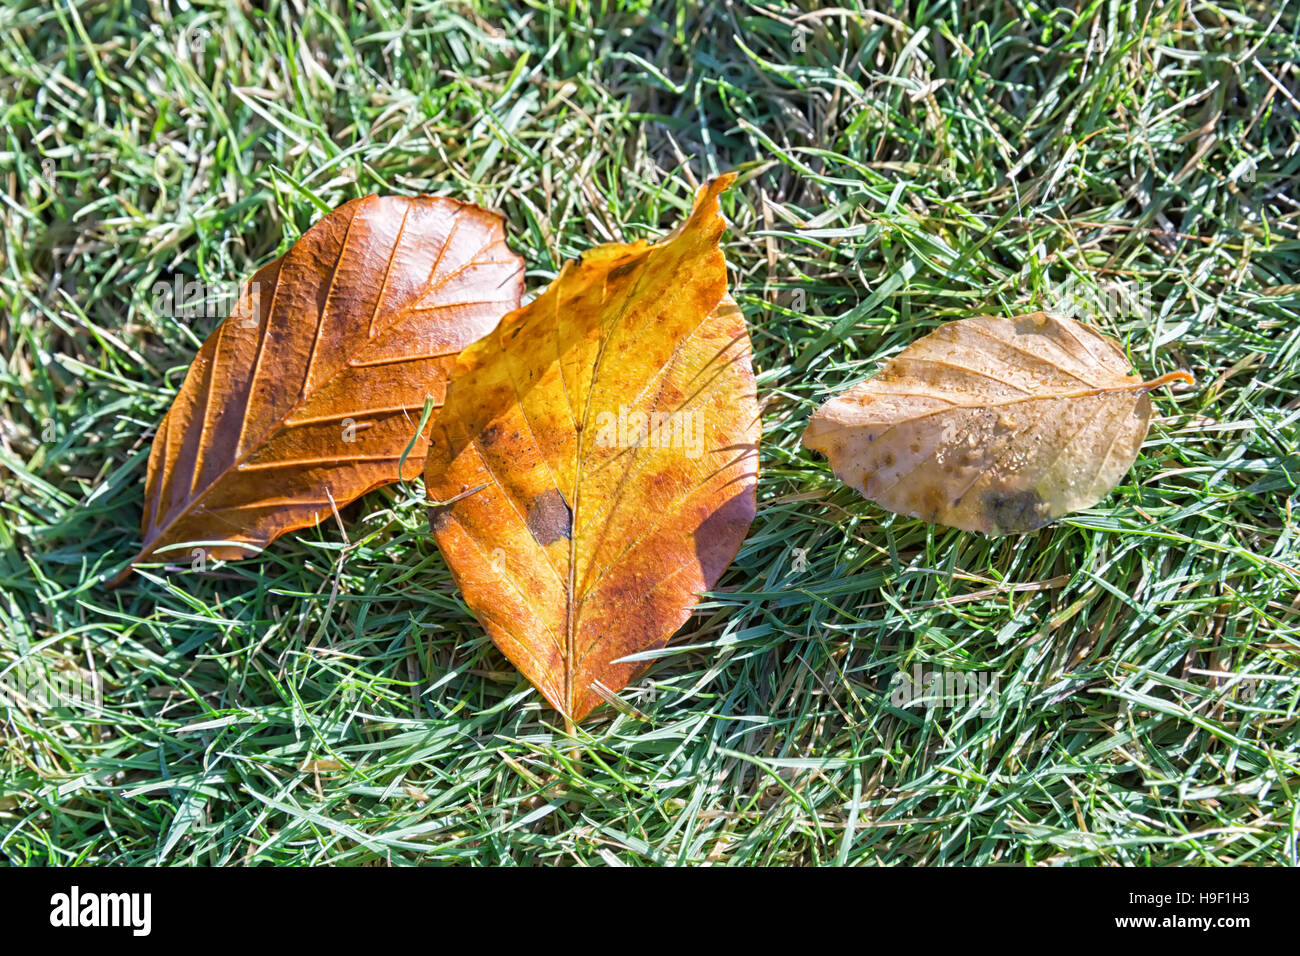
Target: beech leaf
x=594 y=467
x=998 y=425
x=311 y=390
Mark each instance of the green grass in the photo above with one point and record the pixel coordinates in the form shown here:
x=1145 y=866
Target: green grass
x=334 y=702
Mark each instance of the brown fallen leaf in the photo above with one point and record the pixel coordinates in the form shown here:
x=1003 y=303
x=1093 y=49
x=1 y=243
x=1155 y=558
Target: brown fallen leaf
x=310 y=391
x=594 y=467
x=991 y=424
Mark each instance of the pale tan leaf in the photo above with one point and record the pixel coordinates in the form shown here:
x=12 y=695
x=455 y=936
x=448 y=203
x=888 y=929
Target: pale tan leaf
x=990 y=424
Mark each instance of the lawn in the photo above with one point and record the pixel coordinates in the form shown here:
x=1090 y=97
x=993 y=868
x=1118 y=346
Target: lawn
x=1132 y=164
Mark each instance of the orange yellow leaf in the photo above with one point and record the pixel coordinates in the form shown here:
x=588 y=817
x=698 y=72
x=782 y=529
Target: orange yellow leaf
x=594 y=467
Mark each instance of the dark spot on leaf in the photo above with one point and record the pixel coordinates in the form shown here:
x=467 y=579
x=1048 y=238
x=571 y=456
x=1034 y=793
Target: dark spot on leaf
x=630 y=265
x=549 y=517
x=927 y=503
x=439 y=517
x=1017 y=512
x=718 y=537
